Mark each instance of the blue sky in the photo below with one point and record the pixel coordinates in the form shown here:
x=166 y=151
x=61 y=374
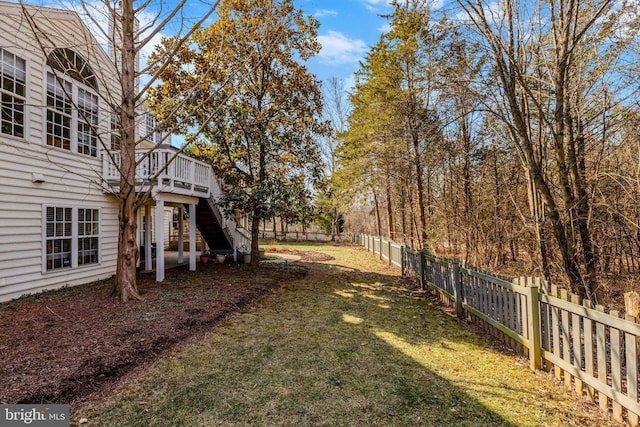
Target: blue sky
x=347 y=29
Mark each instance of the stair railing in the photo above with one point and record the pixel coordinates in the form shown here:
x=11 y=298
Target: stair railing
x=239 y=237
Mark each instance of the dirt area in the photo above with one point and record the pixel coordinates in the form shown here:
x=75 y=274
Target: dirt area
x=304 y=255
x=72 y=345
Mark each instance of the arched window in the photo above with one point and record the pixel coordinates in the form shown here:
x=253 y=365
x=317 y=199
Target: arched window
x=70 y=63
x=72 y=108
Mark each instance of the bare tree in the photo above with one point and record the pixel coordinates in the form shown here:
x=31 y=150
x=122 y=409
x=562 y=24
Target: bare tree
x=547 y=75
x=121 y=24
x=336 y=112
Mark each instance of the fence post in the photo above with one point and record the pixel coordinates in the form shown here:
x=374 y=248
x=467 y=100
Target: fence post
x=535 y=350
x=380 y=246
x=457 y=287
x=422 y=263
x=389 y=247
x=402 y=256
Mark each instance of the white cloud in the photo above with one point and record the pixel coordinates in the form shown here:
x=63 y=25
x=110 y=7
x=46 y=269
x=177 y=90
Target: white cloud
x=493 y=11
x=339 y=49
x=385 y=28
x=324 y=12
x=378 y=2
x=376 y=5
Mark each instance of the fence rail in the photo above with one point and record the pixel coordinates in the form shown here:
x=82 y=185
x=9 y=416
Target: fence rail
x=302 y=236
x=594 y=352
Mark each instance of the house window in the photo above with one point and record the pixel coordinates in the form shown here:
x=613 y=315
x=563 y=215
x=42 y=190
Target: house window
x=70 y=63
x=150 y=126
x=88 y=230
x=59 y=238
x=72 y=237
x=87 y=123
x=115 y=132
x=59 y=109
x=72 y=103
x=12 y=92
x=151 y=129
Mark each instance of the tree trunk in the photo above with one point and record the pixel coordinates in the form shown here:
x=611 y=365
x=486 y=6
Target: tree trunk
x=419 y=184
x=334 y=223
x=403 y=213
x=377 y=207
x=411 y=204
x=126 y=286
x=275 y=229
x=470 y=242
x=391 y=230
x=255 y=238
x=583 y=209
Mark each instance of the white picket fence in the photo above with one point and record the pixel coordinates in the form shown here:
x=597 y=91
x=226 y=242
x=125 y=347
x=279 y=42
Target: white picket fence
x=593 y=352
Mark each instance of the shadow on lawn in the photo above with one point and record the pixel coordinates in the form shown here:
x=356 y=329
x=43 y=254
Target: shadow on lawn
x=387 y=307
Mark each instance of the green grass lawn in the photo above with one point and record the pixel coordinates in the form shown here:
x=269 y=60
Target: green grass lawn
x=347 y=346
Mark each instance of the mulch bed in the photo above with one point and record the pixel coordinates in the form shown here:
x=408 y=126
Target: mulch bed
x=72 y=345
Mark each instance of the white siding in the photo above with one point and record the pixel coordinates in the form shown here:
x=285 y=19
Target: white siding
x=21 y=218
x=70 y=179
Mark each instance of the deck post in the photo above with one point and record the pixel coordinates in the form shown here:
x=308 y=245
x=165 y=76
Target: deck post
x=159 y=240
x=192 y=237
x=148 y=252
x=180 y=235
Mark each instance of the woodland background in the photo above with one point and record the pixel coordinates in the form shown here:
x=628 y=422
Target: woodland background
x=504 y=134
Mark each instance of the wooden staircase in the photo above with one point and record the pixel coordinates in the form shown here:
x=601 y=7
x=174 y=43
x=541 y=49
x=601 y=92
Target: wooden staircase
x=208 y=223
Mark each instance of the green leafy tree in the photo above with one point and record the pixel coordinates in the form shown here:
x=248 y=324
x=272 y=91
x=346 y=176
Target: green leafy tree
x=393 y=124
x=327 y=216
x=370 y=146
x=260 y=122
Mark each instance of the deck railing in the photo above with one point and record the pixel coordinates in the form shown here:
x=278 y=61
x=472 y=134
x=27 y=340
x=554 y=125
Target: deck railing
x=165 y=170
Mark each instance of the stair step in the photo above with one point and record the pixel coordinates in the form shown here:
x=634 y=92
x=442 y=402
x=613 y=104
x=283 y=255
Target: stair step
x=210 y=228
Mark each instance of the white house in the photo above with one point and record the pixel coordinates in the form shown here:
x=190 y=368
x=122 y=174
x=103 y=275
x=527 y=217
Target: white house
x=58 y=211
